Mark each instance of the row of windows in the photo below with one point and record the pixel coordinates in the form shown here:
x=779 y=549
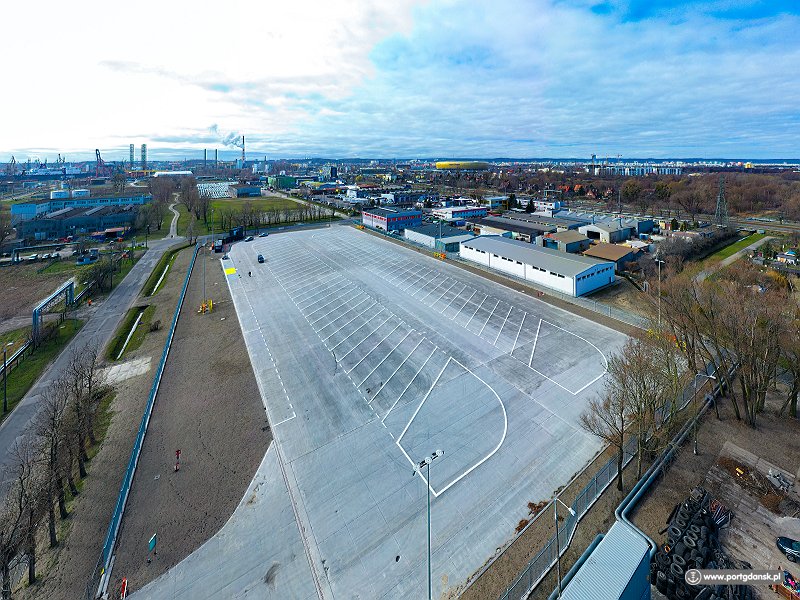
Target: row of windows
x=601 y=272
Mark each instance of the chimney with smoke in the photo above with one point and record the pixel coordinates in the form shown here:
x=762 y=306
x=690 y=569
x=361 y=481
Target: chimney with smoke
x=242 y=151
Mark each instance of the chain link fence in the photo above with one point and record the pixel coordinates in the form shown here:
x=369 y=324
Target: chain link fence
x=101 y=574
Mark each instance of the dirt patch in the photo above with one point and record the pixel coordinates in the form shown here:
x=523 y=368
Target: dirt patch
x=209 y=407
x=21 y=288
x=64 y=572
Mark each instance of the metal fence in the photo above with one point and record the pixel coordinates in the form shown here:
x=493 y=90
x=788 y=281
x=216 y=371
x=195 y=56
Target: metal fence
x=544 y=560
x=100 y=577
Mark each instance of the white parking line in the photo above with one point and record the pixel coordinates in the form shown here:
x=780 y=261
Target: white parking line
x=405 y=389
x=312 y=323
x=536 y=339
x=311 y=285
x=317 y=288
x=494 y=308
x=325 y=339
x=457 y=294
x=319 y=303
x=443 y=282
x=445 y=293
x=373 y=348
x=385 y=357
x=518 y=330
x=465 y=305
x=476 y=311
x=397 y=369
x=417 y=277
x=501 y=326
x=363 y=340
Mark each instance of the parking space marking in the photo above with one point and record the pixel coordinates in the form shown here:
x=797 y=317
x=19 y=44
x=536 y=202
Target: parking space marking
x=408 y=385
x=443 y=282
x=476 y=311
x=524 y=314
x=373 y=348
x=503 y=325
x=385 y=357
x=397 y=369
x=454 y=298
x=445 y=292
x=494 y=308
x=325 y=339
x=310 y=309
x=358 y=294
x=363 y=340
x=465 y=305
x=535 y=339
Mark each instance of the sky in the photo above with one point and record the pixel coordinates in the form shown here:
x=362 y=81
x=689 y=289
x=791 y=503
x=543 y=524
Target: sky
x=402 y=78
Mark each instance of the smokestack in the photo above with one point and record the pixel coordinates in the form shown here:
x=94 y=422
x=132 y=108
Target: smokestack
x=205 y=156
x=242 y=151
x=215 y=157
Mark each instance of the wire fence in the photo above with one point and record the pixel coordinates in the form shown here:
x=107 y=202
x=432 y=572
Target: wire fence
x=100 y=576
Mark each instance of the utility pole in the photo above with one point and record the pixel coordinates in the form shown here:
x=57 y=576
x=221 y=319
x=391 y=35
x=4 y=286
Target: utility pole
x=426 y=462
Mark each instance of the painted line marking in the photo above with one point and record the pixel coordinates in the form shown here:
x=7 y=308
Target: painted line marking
x=384 y=359
x=454 y=298
x=408 y=385
x=465 y=305
x=476 y=312
x=524 y=314
x=373 y=349
x=535 y=339
x=503 y=325
x=494 y=308
x=350 y=321
x=365 y=339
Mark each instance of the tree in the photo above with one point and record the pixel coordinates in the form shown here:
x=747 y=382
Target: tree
x=790 y=359
x=101 y=273
x=191 y=230
x=631 y=191
x=31 y=486
x=50 y=430
x=607 y=418
x=118 y=182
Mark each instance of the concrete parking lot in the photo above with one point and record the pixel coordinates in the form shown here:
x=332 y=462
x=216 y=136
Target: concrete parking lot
x=370 y=357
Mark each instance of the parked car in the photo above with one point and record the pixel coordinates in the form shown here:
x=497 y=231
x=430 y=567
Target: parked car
x=225 y=257
x=261 y=258
x=45 y=256
x=249 y=238
x=790 y=547
x=263 y=234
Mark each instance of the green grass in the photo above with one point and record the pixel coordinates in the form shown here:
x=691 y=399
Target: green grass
x=25 y=375
x=124 y=329
x=166 y=259
x=224 y=205
x=729 y=251
x=16 y=337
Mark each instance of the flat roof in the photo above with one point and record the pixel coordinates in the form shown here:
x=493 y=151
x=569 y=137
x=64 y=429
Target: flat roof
x=545 y=258
x=510 y=225
x=568 y=236
x=609 y=251
x=389 y=212
x=433 y=230
x=533 y=218
x=610 y=567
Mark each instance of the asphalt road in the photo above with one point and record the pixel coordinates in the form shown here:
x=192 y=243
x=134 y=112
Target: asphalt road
x=102 y=324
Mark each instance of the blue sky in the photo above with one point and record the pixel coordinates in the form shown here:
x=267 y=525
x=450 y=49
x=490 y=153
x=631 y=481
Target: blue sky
x=443 y=78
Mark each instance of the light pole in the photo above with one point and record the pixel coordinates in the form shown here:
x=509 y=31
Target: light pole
x=5 y=377
x=556 y=500
x=694 y=399
x=426 y=462
x=659 y=293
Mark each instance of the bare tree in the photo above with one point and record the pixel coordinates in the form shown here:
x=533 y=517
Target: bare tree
x=31 y=484
x=5 y=225
x=50 y=424
x=607 y=418
x=790 y=359
x=11 y=534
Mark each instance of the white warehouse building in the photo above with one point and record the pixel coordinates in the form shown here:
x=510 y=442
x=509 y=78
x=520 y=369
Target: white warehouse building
x=570 y=274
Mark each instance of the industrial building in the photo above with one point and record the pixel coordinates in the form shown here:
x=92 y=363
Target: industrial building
x=23 y=211
x=462 y=165
x=619 y=255
x=560 y=223
x=164 y=173
x=519 y=230
x=281 y=182
x=440 y=237
x=456 y=214
x=76 y=222
x=609 y=232
x=565 y=241
x=638 y=225
x=389 y=219
x=570 y=274
x=244 y=190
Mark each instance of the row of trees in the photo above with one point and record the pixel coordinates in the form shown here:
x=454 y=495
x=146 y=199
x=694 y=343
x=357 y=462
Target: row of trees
x=747 y=323
x=49 y=461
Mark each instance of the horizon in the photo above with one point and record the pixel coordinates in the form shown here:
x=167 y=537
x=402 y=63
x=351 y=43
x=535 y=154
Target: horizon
x=445 y=78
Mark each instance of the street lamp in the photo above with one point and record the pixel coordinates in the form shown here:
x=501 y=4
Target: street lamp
x=5 y=376
x=426 y=462
x=556 y=500
x=707 y=376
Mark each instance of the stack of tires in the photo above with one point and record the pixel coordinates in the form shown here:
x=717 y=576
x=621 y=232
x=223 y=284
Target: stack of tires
x=693 y=543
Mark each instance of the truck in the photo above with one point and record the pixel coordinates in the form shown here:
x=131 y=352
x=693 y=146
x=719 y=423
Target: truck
x=218 y=246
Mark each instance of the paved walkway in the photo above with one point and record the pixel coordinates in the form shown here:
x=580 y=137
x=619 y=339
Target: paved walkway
x=703 y=275
x=105 y=318
x=173 y=226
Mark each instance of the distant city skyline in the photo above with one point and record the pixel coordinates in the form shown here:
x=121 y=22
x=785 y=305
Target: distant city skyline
x=409 y=78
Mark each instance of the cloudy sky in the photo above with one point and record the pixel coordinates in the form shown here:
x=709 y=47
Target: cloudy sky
x=403 y=78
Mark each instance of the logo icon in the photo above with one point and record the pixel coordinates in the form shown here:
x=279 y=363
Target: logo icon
x=693 y=577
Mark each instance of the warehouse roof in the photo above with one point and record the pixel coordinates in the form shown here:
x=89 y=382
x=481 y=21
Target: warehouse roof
x=390 y=212
x=544 y=220
x=434 y=230
x=510 y=225
x=569 y=236
x=609 y=226
x=609 y=251
x=610 y=567
x=545 y=258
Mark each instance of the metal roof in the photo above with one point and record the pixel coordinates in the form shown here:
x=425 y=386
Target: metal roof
x=392 y=212
x=510 y=225
x=610 y=568
x=569 y=265
x=434 y=231
x=544 y=220
x=609 y=251
x=568 y=236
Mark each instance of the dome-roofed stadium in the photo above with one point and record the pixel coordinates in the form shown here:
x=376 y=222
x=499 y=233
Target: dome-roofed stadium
x=462 y=165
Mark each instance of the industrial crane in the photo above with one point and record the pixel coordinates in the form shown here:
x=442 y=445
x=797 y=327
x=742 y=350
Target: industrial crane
x=11 y=167
x=100 y=165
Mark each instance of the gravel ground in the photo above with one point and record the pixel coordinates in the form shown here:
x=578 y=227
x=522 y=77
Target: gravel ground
x=65 y=571
x=209 y=407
